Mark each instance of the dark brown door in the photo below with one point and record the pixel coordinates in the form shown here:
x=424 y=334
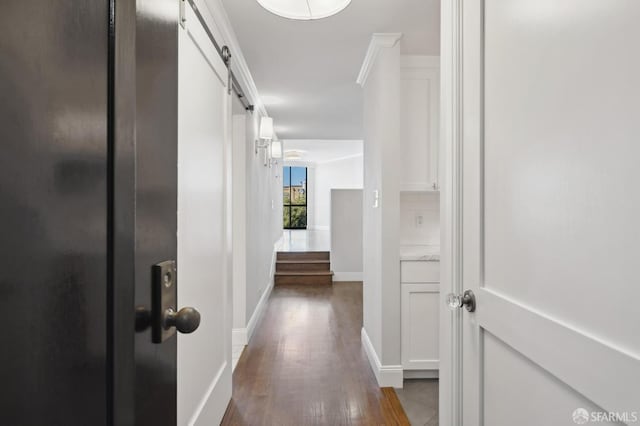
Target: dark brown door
x=54 y=361
x=156 y=196
x=88 y=190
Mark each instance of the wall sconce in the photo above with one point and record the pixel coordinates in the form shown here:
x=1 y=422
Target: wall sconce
x=265 y=134
x=266 y=128
x=276 y=152
x=276 y=149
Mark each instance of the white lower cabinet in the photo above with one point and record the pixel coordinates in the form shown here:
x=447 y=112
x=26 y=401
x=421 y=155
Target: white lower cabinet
x=420 y=324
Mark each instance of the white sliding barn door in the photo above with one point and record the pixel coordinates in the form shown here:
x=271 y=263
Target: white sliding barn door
x=204 y=358
x=551 y=211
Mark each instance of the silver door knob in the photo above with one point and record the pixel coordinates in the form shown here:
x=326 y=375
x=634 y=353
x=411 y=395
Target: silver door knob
x=186 y=320
x=467 y=299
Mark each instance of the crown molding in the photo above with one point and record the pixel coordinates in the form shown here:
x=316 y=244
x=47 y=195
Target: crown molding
x=218 y=19
x=378 y=41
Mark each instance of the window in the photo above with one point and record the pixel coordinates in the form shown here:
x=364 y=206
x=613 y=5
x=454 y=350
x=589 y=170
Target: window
x=294 y=187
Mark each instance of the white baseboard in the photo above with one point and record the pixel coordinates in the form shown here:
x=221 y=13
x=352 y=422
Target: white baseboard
x=241 y=336
x=260 y=307
x=347 y=276
x=212 y=406
x=386 y=375
x=421 y=374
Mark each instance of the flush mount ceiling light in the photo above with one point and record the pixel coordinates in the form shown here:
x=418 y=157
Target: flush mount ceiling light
x=304 y=9
x=293 y=154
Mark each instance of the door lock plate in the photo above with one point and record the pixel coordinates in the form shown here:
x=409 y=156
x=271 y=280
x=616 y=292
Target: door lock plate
x=164 y=294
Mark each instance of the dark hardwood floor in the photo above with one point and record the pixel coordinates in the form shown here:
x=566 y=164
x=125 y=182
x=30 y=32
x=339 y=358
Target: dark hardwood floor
x=305 y=364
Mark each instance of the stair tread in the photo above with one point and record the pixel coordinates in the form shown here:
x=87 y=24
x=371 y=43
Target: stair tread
x=303 y=261
x=315 y=273
x=306 y=251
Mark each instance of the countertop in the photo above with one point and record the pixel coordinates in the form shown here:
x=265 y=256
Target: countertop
x=424 y=253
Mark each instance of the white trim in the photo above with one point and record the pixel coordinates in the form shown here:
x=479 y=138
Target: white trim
x=256 y=317
x=239 y=337
x=236 y=353
x=450 y=385
x=317 y=228
x=378 y=41
x=347 y=276
x=386 y=375
x=257 y=313
x=604 y=385
x=207 y=396
x=238 y=343
x=421 y=374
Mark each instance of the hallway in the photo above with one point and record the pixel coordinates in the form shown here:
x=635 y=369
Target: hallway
x=305 y=364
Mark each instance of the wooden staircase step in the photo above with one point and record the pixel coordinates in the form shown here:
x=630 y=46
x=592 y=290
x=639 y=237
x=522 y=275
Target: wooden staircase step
x=305 y=273
x=302 y=265
x=304 y=278
x=303 y=255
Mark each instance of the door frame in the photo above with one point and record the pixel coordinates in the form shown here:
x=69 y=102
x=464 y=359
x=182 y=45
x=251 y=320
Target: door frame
x=451 y=137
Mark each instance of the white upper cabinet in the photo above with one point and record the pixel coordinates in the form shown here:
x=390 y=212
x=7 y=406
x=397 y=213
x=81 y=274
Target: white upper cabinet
x=419 y=122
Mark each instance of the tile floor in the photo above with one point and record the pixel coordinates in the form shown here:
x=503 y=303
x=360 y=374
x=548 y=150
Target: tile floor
x=419 y=398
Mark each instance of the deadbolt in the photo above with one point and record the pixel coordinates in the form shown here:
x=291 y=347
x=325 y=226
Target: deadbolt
x=164 y=318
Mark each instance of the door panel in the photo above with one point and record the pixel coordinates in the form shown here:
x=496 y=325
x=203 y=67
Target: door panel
x=551 y=126
x=509 y=373
x=204 y=358
x=556 y=184
x=156 y=196
x=53 y=212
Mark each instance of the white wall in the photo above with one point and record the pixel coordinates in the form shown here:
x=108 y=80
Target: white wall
x=346 y=234
x=239 y=219
x=381 y=260
x=346 y=173
x=264 y=219
x=258 y=209
x=322 y=177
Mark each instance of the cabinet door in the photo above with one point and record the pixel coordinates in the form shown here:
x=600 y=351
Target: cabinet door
x=420 y=122
x=420 y=313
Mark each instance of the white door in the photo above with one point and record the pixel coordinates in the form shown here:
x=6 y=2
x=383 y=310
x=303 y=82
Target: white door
x=551 y=212
x=204 y=358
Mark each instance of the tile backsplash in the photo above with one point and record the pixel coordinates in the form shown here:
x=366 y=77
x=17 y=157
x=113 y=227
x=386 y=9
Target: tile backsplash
x=419 y=219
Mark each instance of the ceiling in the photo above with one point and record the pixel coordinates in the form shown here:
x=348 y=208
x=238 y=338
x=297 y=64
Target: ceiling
x=305 y=71
x=321 y=151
